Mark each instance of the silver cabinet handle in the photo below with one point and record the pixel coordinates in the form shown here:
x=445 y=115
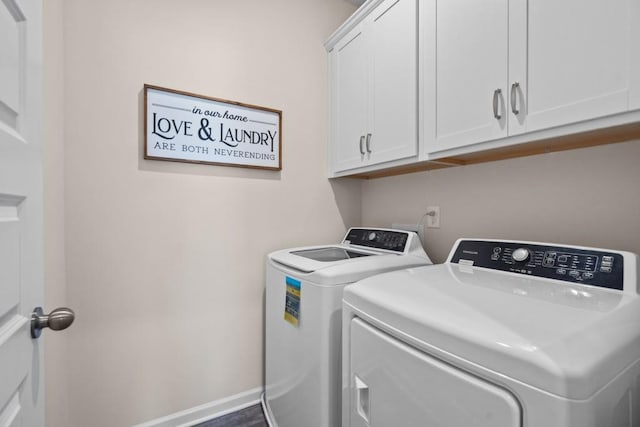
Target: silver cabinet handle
x=496 y=95
x=59 y=319
x=514 y=90
x=361 y=145
x=369 y=143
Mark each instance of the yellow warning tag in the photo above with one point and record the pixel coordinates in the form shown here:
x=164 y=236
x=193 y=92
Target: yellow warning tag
x=292 y=301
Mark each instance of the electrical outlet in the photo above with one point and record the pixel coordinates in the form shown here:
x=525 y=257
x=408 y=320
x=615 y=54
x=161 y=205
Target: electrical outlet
x=433 y=221
x=416 y=228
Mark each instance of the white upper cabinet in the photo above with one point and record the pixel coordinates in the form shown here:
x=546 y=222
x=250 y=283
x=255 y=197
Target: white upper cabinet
x=349 y=109
x=578 y=61
x=501 y=68
x=373 y=87
x=470 y=70
x=431 y=83
x=393 y=84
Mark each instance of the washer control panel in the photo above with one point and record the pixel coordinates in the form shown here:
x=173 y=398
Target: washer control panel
x=587 y=266
x=391 y=240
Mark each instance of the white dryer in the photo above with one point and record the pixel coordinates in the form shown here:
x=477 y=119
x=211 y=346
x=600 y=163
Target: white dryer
x=504 y=334
x=304 y=319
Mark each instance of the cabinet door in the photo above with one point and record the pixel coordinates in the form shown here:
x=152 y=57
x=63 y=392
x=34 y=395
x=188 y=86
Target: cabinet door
x=579 y=61
x=349 y=101
x=471 y=62
x=393 y=126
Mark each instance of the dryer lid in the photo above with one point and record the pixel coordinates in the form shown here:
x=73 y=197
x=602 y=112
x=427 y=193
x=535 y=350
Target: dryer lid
x=567 y=339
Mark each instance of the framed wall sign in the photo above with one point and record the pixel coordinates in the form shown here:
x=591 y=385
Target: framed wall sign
x=184 y=127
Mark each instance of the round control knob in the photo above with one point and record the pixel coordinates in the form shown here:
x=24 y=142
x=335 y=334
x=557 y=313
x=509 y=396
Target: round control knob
x=372 y=236
x=520 y=254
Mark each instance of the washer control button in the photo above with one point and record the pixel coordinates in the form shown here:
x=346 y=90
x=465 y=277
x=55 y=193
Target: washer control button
x=520 y=254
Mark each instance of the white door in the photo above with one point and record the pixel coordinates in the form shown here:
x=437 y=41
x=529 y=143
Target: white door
x=393 y=81
x=471 y=60
x=21 y=247
x=349 y=77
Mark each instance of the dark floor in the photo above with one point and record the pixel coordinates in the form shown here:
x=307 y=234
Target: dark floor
x=249 y=417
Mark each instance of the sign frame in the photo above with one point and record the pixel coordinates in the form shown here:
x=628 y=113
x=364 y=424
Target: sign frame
x=175 y=132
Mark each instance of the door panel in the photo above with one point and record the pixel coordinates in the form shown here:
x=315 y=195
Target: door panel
x=21 y=243
x=350 y=106
x=393 y=81
x=14 y=344
x=578 y=60
x=10 y=272
x=10 y=50
x=471 y=64
x=392 y=384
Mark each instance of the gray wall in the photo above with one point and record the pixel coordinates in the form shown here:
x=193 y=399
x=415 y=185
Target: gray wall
x=585 y=197
x=164 y=262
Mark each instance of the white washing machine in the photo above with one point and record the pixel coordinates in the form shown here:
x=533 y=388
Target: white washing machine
x=304 y=319
x=503 y=334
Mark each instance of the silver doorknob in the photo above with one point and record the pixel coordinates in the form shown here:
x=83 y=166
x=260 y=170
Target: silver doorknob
x=59 y=319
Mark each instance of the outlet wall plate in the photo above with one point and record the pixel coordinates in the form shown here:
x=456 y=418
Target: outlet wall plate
x=433 y=221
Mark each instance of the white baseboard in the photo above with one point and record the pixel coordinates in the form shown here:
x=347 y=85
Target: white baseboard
x=207 y=411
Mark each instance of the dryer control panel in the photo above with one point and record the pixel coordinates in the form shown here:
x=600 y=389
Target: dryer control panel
x=570 y=264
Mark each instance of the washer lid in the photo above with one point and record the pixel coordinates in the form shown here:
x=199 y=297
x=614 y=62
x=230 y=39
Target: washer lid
x=567 y=339
x=330 y=254
x=340 y=264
